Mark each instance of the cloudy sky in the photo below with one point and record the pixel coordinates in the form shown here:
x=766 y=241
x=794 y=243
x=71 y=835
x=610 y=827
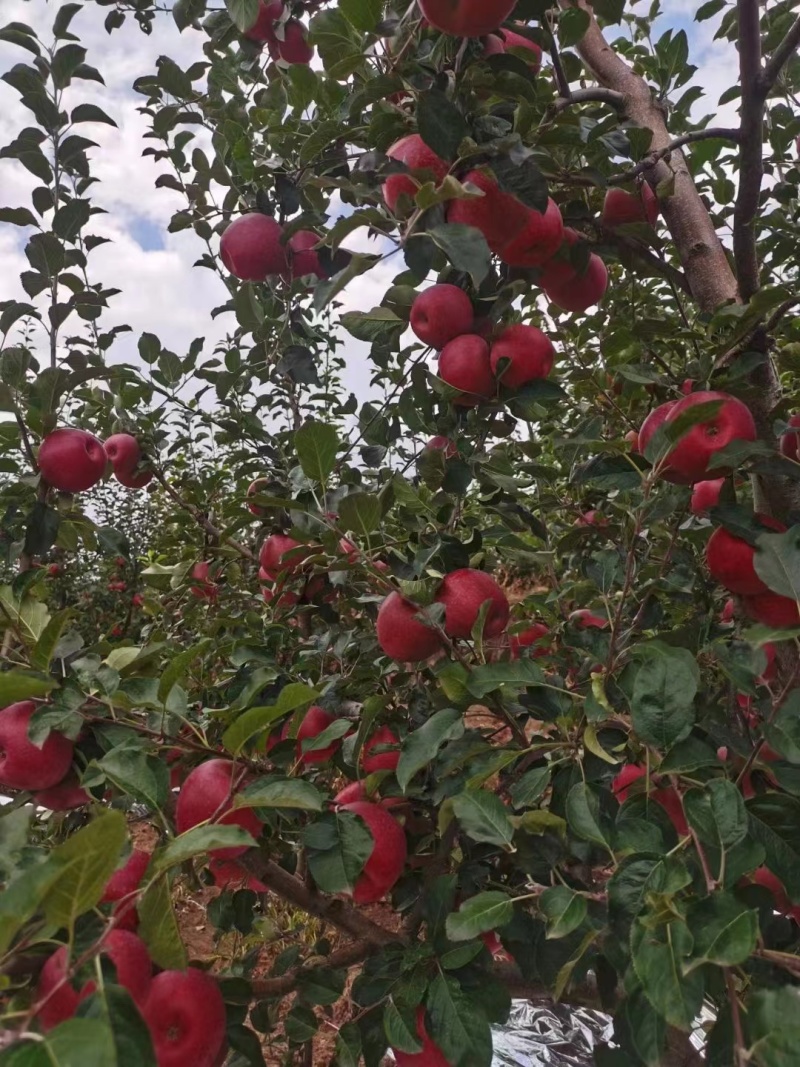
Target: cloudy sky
x=161 y=291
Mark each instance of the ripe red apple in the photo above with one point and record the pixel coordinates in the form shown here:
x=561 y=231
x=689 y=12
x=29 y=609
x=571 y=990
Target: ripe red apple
x=303 y=259
x=705 y=496
x=764 y=876
x=134 y=480
x=66 y=796
x=24 y=765
x=465 y=364
x=687 y=386
x=123 y=452
x=272 y=552
x=228 y=874
x=789 y=443
x=207 y=795
x=688 y=461
x=655 y=419
x=416 y=155
x=294 y=48
x=263 y=29
x=583 y=290
x=666 y=796
x=401 y=635
x=72 y=461
x=137 y=600
x=772 y=609
x=121 y=886
x=499 y=42
x=621 y=208
x=316 y=720
x=251 y=247
x=499 y=216
x=466 y=18
x=558 y=270
x=443 y=444
x=388 y=856
x=533 y=637
x=529 y=353
x=463 y=592
x=185 y=1014
x=205 y=589
x=441 y=314
x=372 y=760
x=587 y=620
x=538 y=241
x=429 y=1056
x=731 y=560
x=131 y=960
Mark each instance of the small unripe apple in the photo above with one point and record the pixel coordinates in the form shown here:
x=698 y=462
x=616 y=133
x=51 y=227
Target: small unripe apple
x=465 y=364
x=71 y=461
x=24 y=765
x=185 y=1014
x=538 y=241
x=316 y=720
x=773 y=610
x=688 y=461
x=372 y=760
x=463 y=592
x=131 y=961
x=388 y=857
x=466 y=18
x=705 y=496
x=499 y=216
x=621 y=208
x=263 y=29
x=583 y=290
x=207 y=796
x=441 y=314
x=121 y=886
x=251 y=248
x=731 y=560
x=529 y=354
x=790 y=442
x=429 y=1056
x=401 y=635
x=294 y=48
x=416 y=155
x=303 y=260
x=587 y=620
x=271 y=556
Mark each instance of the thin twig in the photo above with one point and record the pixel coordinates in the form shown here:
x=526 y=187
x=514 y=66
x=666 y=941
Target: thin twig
x=202 y=519
x=715 y=133
x=780 y=57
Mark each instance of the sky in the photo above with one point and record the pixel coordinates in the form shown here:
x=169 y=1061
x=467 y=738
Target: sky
x=161 y=290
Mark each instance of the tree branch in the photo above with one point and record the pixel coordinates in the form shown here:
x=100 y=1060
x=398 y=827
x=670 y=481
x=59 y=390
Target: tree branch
x=751 y=146
x=714 y=133
x=597 y=94
x=200 y=518
x=347 y=956
x=780 y=57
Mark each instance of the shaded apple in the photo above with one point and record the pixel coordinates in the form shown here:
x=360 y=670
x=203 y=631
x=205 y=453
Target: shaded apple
x=465 y=365
x=376 y=756
x=185 y=1014
x=499 y=216
x=122 y=885
x=688 y=461
x=582 y=291
x=772 y=609
x=539 y=239
x=705 y=496
x=388 y=857
x=463 y=592
x=731 y=560
x=207 y=796
x=621 y=207
x=416 y=155
x=466 y=18
x=429 y=1056
x=521 y=354
x=789 y=442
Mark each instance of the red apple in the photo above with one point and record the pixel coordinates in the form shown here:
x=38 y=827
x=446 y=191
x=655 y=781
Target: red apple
x=688 y=461
x=401 y=635
x=621 y=208
x=260 y=485
x=123 y=452
x=687 y=386
x=207 y=796
x=587 y=620
x=465 y=365
x=388 y=857
x=499 y=216
x=731 y=560
x=122 y=885
x=134 y=971
x=463 y=592
x=416 y=155
x=666 y=796
x=558 y=270
x=271 y=556
x=263 y=29
x=772 y=609
x=137 y=600
x=71 y=461
x=66 y=796
x=228 y=874
x=205 y=589
x=314 y=722
x=443 y=444
x=790 y=442
x=134 y=480
x=705 y=496
x=655 y=419
x=763 y=876
x=441 y=314
x=466 y=18
x=430 y=1055
x=769 y=670
x=583 y=290
x=372 y=760
x=499 y=43
x=728 y=611
x=539 y=240
x=303 y=259
x=24 y=765
x=53 y=570
x=294 y=48
x=529 y=353
x=251 y=247
x=185 y=1014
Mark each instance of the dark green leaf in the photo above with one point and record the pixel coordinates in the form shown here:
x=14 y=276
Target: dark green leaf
x=339 y=844
x=659 y=956
x=479 y=914
x=458 y=1026
x=483 y=817
x=563 y=909
x=317 y=445
x=724 y=931
x=663 y=695
x=421 y=746
x=465 y=247
x=441 y=125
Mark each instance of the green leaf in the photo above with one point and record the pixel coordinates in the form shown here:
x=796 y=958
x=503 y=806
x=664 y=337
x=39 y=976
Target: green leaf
x=158 y=925
x=48 y=642
x=664 y=688
x=317 y=444
x=717 y=813
x=91 y=113
x=380 y=324
x=243 y=13
x=179 y=665
x=81 y=1043
x=465 y=247
x=65 y=63
x=22 y=685
x=563 y=910
x=87 y=861
x=339 y=844
x=589 y=814
x=280 y=793
x=659 y=954
x=23 y=895
x=421 y=746
x=441 y=125
x=783 y=733
x=773 y=1022
x=293 y=696
x=458 y=1026
x=725 y=932
x=573 y=22
x=530 y=787
x=184 y=12
x=479 y=914
x=143 y=777
x=364 y=15
x=18 y=216
x=400 y=1028
x=113 y=1005
x=200 y=840
x=777 y=561
x=483 y=817
x=775 y=823
x=70 y=219
x=518 y=674
x=360 y=513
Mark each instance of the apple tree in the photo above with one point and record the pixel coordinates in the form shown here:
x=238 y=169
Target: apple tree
x=459 y=581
